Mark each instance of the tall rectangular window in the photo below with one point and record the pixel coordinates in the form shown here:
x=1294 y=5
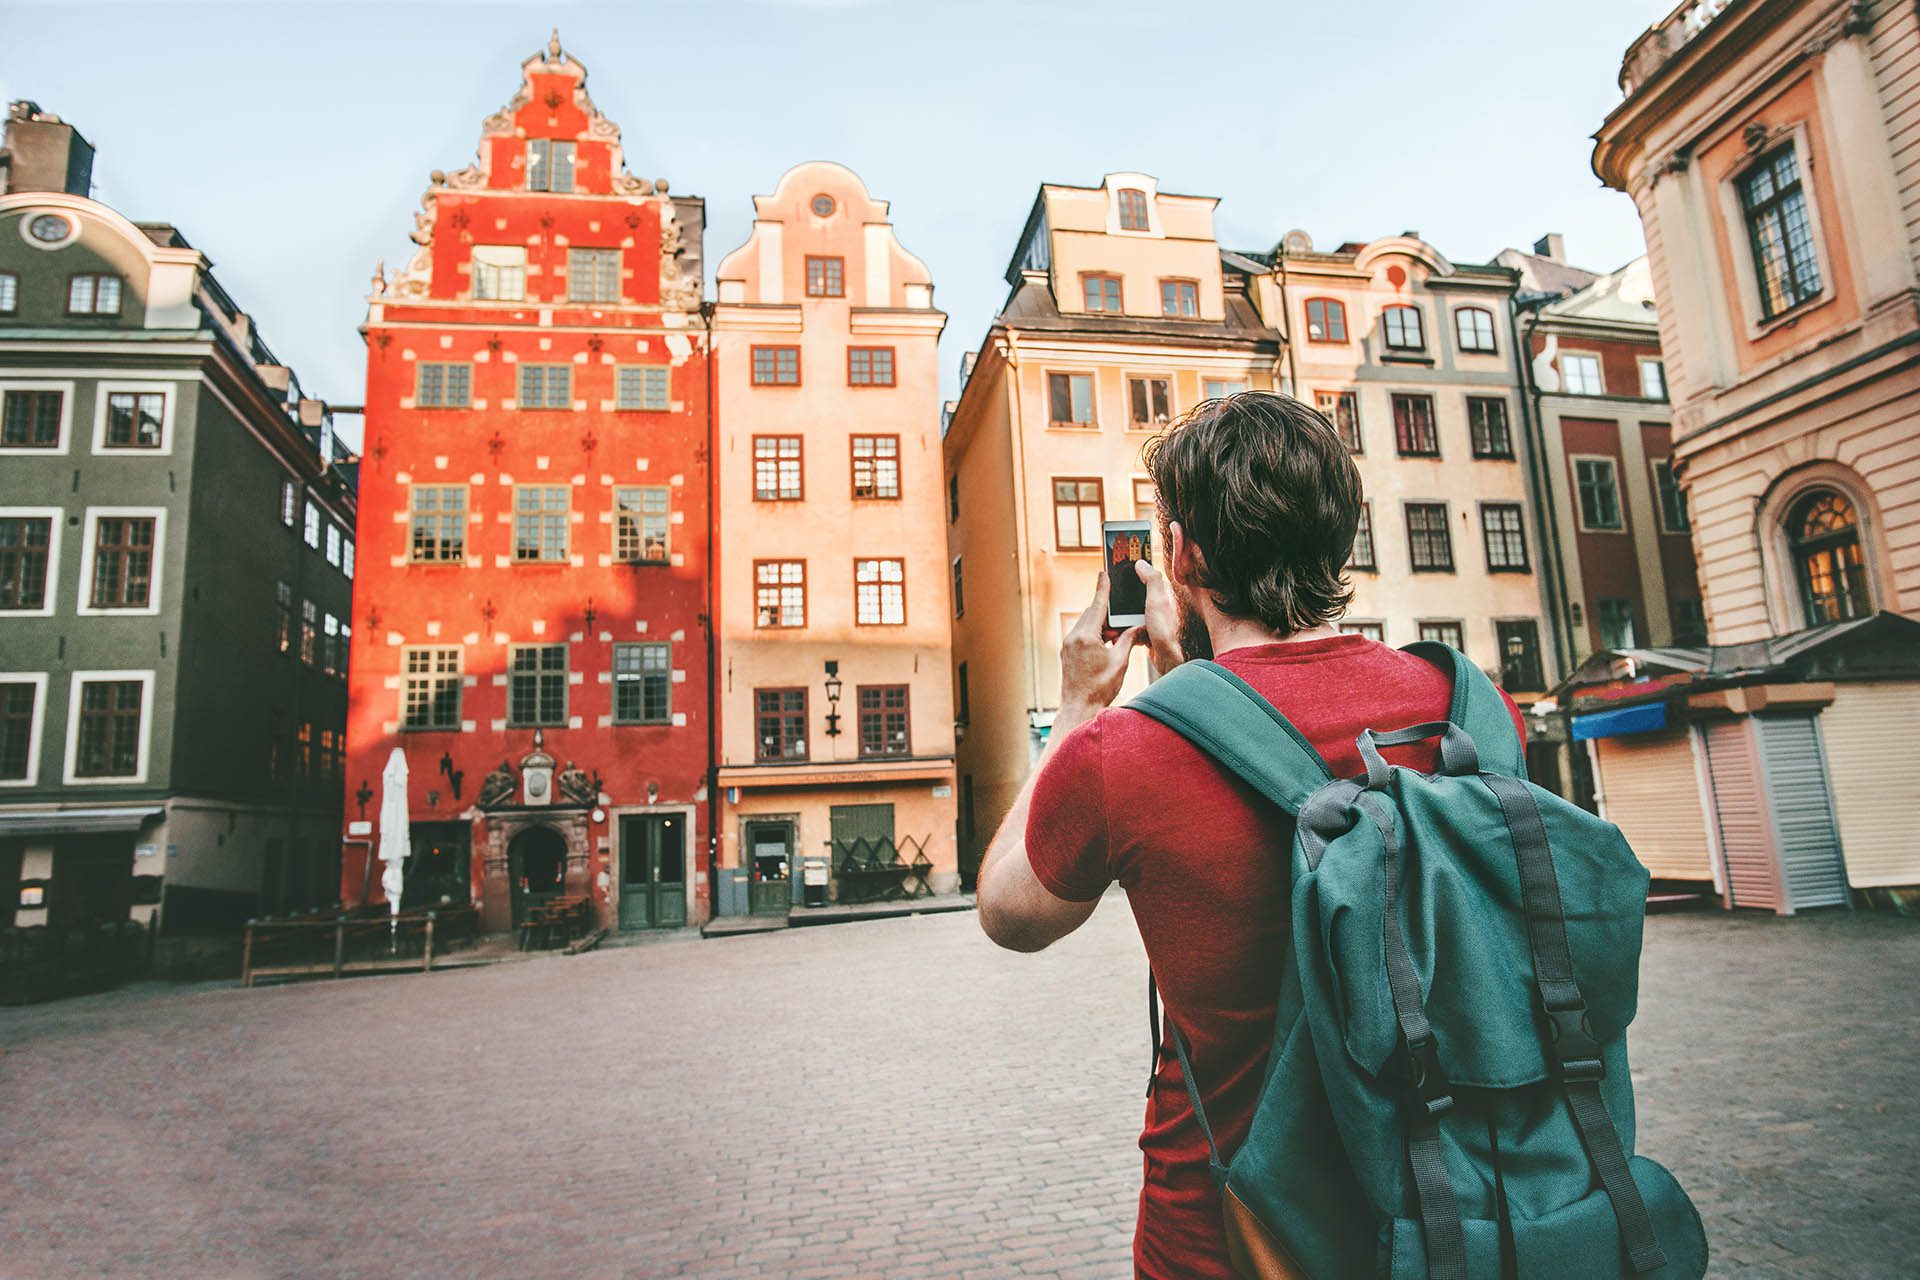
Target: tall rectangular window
x=431 y=687
x=1149 y=402
x=333 y=544
x=134 y=419
x=330 y=659
x=93 y=295
x=1342 y=409
x=30 y=419
x=1429 y=542
x=869 y=366
x=1078 y=510
x=963 y=699
x=1689 y=621
x=437 y=524
x=1653 y=379
x=1102 y=293
x=880 y=592
x=309 y=632
x=642 y=684
x=826 y=277
x=499 y=272
x=876 y=466
x=546 y=386
x=1402 y=328
x=1599 y=491
x=122 y=562
x=953 y=498
x=443 y=386
x=1443 y=632
x=1520 y=668
x=283 y=617
x=108 y=740
x=1362 y=556
x=25 y=545
x=1580 y=374
x=883 y=720
x=541 y=514
x=310 y=530
x=779 y=724
x=1146 y=503
x=1615 y=616
x=1780 y=232
x=537 y=684
x=593 y=275
x=9 y=293
x=16 y=729
x=642 y=386
x=549 y=165
x=1413 y=429
x=1487 y=424
x=1133 y=209
x=776 y=469
x=776 y=366
x=1070 y=399
x=1673 y=502
x=289 y=502
x=640 y=516
x=959 y=590
x=1506 y=539
x=779 y=593
x=1180 y=299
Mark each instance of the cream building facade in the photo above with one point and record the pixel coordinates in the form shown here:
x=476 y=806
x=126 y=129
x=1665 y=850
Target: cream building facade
x=1773 y=150
x=835 y=713
x=1124 y=313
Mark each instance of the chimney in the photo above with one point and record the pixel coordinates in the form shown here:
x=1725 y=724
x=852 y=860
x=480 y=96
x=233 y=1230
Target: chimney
x=1551 y=245
x=44 y=153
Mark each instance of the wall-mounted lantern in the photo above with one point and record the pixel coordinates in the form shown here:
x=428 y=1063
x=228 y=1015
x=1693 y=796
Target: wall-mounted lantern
x=834 y=686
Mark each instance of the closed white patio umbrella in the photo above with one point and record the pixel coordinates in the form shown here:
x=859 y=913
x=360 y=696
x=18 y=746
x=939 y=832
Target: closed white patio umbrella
x=394 y=840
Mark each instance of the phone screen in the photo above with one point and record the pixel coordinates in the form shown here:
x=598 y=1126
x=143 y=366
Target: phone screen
x=1127 y=595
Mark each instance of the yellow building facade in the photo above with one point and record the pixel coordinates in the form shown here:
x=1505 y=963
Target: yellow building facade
x=835 y=714
x=1124 y=313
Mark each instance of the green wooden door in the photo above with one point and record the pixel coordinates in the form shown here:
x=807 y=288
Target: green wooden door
x=653 y=871
x=769 y=867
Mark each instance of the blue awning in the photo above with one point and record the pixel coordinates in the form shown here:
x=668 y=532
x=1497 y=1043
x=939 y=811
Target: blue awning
x=1621 y=721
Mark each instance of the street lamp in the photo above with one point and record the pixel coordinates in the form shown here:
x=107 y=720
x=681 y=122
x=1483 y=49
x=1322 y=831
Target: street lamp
x=834 y=686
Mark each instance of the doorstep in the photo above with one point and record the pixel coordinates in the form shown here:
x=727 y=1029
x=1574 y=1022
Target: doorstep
x=838 y=913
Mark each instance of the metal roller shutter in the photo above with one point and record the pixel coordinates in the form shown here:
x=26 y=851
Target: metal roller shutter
x=1648 y=791
x=1804 y=834
x=1872 y=754
x=1739 y=804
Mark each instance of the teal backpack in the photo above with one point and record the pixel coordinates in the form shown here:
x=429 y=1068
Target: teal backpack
x=1447 y=1094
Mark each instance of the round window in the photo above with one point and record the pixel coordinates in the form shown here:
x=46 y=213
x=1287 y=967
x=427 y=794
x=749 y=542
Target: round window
x=823 y=206
x=50 y=228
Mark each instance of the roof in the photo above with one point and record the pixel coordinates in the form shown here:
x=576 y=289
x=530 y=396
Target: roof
x=1252 y=264
x=1031 y=308
x=1619 y=297
x=1541 y=274
x=1880 y=645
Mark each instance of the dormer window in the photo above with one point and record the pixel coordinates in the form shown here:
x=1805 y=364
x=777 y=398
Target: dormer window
x=93 y=295
x=549 y=165
x=1133 y=209
x=1179 y=298
x=1402 y=328
x=499 y=272
x=1102 y=292
x=826 y=277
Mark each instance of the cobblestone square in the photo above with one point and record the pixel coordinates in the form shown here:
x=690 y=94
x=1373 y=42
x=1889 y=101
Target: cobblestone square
x=894 y=1098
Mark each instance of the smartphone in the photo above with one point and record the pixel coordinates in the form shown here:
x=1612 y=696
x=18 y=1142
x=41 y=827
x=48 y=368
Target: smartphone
x=1126 y=541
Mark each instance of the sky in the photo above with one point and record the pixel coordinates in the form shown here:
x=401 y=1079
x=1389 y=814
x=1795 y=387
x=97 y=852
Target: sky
x=290 y=140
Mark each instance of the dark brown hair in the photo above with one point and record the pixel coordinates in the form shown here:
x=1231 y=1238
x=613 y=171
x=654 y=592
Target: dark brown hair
x=1264 y=487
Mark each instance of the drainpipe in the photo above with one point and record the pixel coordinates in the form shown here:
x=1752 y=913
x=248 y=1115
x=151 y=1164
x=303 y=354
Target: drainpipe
x=713 y=644
x=1286 y=320
x=1553 y=555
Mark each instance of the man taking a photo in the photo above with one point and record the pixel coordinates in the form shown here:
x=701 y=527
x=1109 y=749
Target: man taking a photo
x=1258 y=505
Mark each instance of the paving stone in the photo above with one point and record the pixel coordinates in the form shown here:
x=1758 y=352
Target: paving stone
x=894 y=1098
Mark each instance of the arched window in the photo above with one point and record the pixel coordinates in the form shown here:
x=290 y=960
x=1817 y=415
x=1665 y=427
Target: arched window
x=1474 y=328
x=1326 y=320
x=1133 y=209
x=1823 y=533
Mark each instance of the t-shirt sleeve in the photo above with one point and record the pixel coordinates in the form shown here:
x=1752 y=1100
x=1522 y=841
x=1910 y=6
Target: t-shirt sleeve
x=1067 y=823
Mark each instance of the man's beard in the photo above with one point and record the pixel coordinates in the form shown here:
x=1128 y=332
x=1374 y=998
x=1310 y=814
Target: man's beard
x=1195 y=643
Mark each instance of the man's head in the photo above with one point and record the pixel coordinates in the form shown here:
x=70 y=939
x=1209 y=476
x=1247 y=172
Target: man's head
x=1267 y=499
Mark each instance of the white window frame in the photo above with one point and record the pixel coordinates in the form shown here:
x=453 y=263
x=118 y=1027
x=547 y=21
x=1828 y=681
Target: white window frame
x=1619 y=492
x=485 y=255
x=1734 y=217
x=66 y=416
x=143 y=758
x=102 y=390
x=1221 y=388
x=1666 y=393
x=83 y=602
x=334 y=539
x=310 y=524
x=36 y=725
x=56 y=518
x=1599 y=367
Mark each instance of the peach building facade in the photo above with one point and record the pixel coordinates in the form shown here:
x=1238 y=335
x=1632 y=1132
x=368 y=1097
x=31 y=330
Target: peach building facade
x=1773 y=151
x=1124 y=313
x=834 y=703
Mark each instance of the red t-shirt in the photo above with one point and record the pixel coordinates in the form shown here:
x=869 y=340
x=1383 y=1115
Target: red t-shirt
x=1204 y=861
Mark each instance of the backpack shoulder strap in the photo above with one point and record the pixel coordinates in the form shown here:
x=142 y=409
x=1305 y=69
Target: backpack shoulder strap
x=1221 y=714
x=1478 y=708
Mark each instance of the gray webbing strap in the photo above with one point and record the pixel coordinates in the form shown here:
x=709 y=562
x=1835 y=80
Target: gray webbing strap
x=1215 y=1165
x=1478 y=708
x=1573 y=1043
x=1439 y=1209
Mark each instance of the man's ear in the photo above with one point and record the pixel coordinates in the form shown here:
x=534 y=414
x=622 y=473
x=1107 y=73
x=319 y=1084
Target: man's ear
x=1186 y=563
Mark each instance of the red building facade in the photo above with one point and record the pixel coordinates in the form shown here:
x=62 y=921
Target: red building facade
x=531 y=612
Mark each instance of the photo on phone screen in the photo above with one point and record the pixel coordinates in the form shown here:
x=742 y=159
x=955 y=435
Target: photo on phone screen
x=1126 y=541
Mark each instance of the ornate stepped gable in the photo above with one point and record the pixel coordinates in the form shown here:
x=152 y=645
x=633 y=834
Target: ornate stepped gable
x=552 y=103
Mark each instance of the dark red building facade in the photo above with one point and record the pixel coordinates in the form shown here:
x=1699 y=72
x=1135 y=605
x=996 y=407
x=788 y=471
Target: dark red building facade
x=530 y=616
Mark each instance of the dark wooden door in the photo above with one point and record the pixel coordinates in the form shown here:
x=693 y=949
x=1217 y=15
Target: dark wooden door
x=769 y=867
x=653 y=871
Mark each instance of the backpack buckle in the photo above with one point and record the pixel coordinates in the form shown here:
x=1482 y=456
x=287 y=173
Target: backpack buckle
x=1570 y=1032
x=1426 y=1079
